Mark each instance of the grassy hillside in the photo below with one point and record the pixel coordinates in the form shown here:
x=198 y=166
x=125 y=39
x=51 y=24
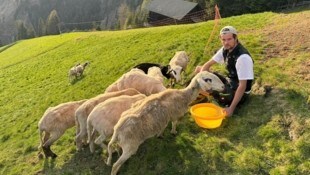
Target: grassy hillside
x=269 y=135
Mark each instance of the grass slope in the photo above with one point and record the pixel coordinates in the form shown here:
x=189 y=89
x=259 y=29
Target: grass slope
x=269 y=135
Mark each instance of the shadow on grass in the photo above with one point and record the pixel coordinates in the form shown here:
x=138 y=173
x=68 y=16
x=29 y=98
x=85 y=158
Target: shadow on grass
x=196 y=150
x=82 y=162
x=76 y=80
x=155 y=156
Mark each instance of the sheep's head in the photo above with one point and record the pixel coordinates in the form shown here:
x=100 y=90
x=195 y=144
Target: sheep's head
x=175 y=73
x=86 y=64
x=208 y=81
x=183 y=54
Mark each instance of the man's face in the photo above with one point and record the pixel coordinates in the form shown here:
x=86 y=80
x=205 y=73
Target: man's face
x=228 y=41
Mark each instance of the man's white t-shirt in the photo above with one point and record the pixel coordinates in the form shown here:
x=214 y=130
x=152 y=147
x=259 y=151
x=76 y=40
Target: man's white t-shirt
x=244 y=65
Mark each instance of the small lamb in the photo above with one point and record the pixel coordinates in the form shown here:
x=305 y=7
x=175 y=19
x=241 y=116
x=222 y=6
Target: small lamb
x=77 y=71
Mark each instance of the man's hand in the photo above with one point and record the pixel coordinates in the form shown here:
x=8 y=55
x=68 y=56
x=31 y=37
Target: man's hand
x=197 y=70
x=229 y=111
x=238 y=95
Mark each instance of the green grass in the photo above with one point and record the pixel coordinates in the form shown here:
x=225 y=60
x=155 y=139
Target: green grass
x=269 y=135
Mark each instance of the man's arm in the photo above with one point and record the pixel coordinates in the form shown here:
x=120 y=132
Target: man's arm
x=238 y=95
x=205 y=67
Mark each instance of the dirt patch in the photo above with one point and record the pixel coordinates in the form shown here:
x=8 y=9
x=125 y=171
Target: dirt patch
x=287 y=34
x=304 y=71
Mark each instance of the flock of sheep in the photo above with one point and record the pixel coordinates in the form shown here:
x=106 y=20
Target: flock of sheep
x=134 y=108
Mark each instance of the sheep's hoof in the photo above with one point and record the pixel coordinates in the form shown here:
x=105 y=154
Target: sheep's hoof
x=53 y=156
x=174 y=132
x=108 y=162
x=40 y=156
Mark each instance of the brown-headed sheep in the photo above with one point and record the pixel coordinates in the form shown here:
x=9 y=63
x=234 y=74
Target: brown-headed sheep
x=104 y=117
x=55 y=121
x=84 y=110
x=138 y=80
x=150 y=116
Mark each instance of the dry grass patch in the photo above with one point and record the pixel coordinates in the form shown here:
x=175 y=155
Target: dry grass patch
x=287 y=34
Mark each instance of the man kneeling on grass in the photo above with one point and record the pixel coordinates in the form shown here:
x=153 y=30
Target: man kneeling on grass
x=239 y=65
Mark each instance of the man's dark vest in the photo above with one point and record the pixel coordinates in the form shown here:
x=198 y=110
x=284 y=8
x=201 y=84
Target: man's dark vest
x=230 y=59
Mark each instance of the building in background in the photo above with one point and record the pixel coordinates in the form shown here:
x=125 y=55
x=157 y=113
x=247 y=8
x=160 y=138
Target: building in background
x=167 y=12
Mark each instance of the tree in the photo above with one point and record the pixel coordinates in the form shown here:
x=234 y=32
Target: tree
x=52 y=23
x=41 y=27
x=21 y=30
x=30 y=32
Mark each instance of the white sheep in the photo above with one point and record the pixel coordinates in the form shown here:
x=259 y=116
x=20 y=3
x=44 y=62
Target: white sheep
x=155 y=72
x=178 y=65
x=138 y=80
x=72 y=74
x=150 y=116
x=80 y=69
x=84 y=110
x=55 y=121
x=104 y=117
x=77 y=71
x=165 y=69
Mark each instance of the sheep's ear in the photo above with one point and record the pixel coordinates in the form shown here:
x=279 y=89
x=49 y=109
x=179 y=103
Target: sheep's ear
x=173 y=72
x=169 y=70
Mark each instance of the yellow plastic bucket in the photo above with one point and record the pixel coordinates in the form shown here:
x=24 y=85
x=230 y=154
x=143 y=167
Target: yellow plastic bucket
x=207 y=115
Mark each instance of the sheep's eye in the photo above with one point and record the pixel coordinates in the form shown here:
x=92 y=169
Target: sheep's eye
x=208 y=79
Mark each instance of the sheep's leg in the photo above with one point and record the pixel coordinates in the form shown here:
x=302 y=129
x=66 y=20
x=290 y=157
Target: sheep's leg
x=160 y=134
x=174 y=126
x=69 y=77
x=91 y=138
x=172 y=82
x=91 y=135
x=77 y=124
x=99 y=141
x=182 y=79
x=110 y=151
x=82 y=135
x=78 y=141
x=42 y=140
x=46 y=146
x=128 y=151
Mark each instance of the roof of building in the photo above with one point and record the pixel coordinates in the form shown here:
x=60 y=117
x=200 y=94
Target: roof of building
x=176 y=9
